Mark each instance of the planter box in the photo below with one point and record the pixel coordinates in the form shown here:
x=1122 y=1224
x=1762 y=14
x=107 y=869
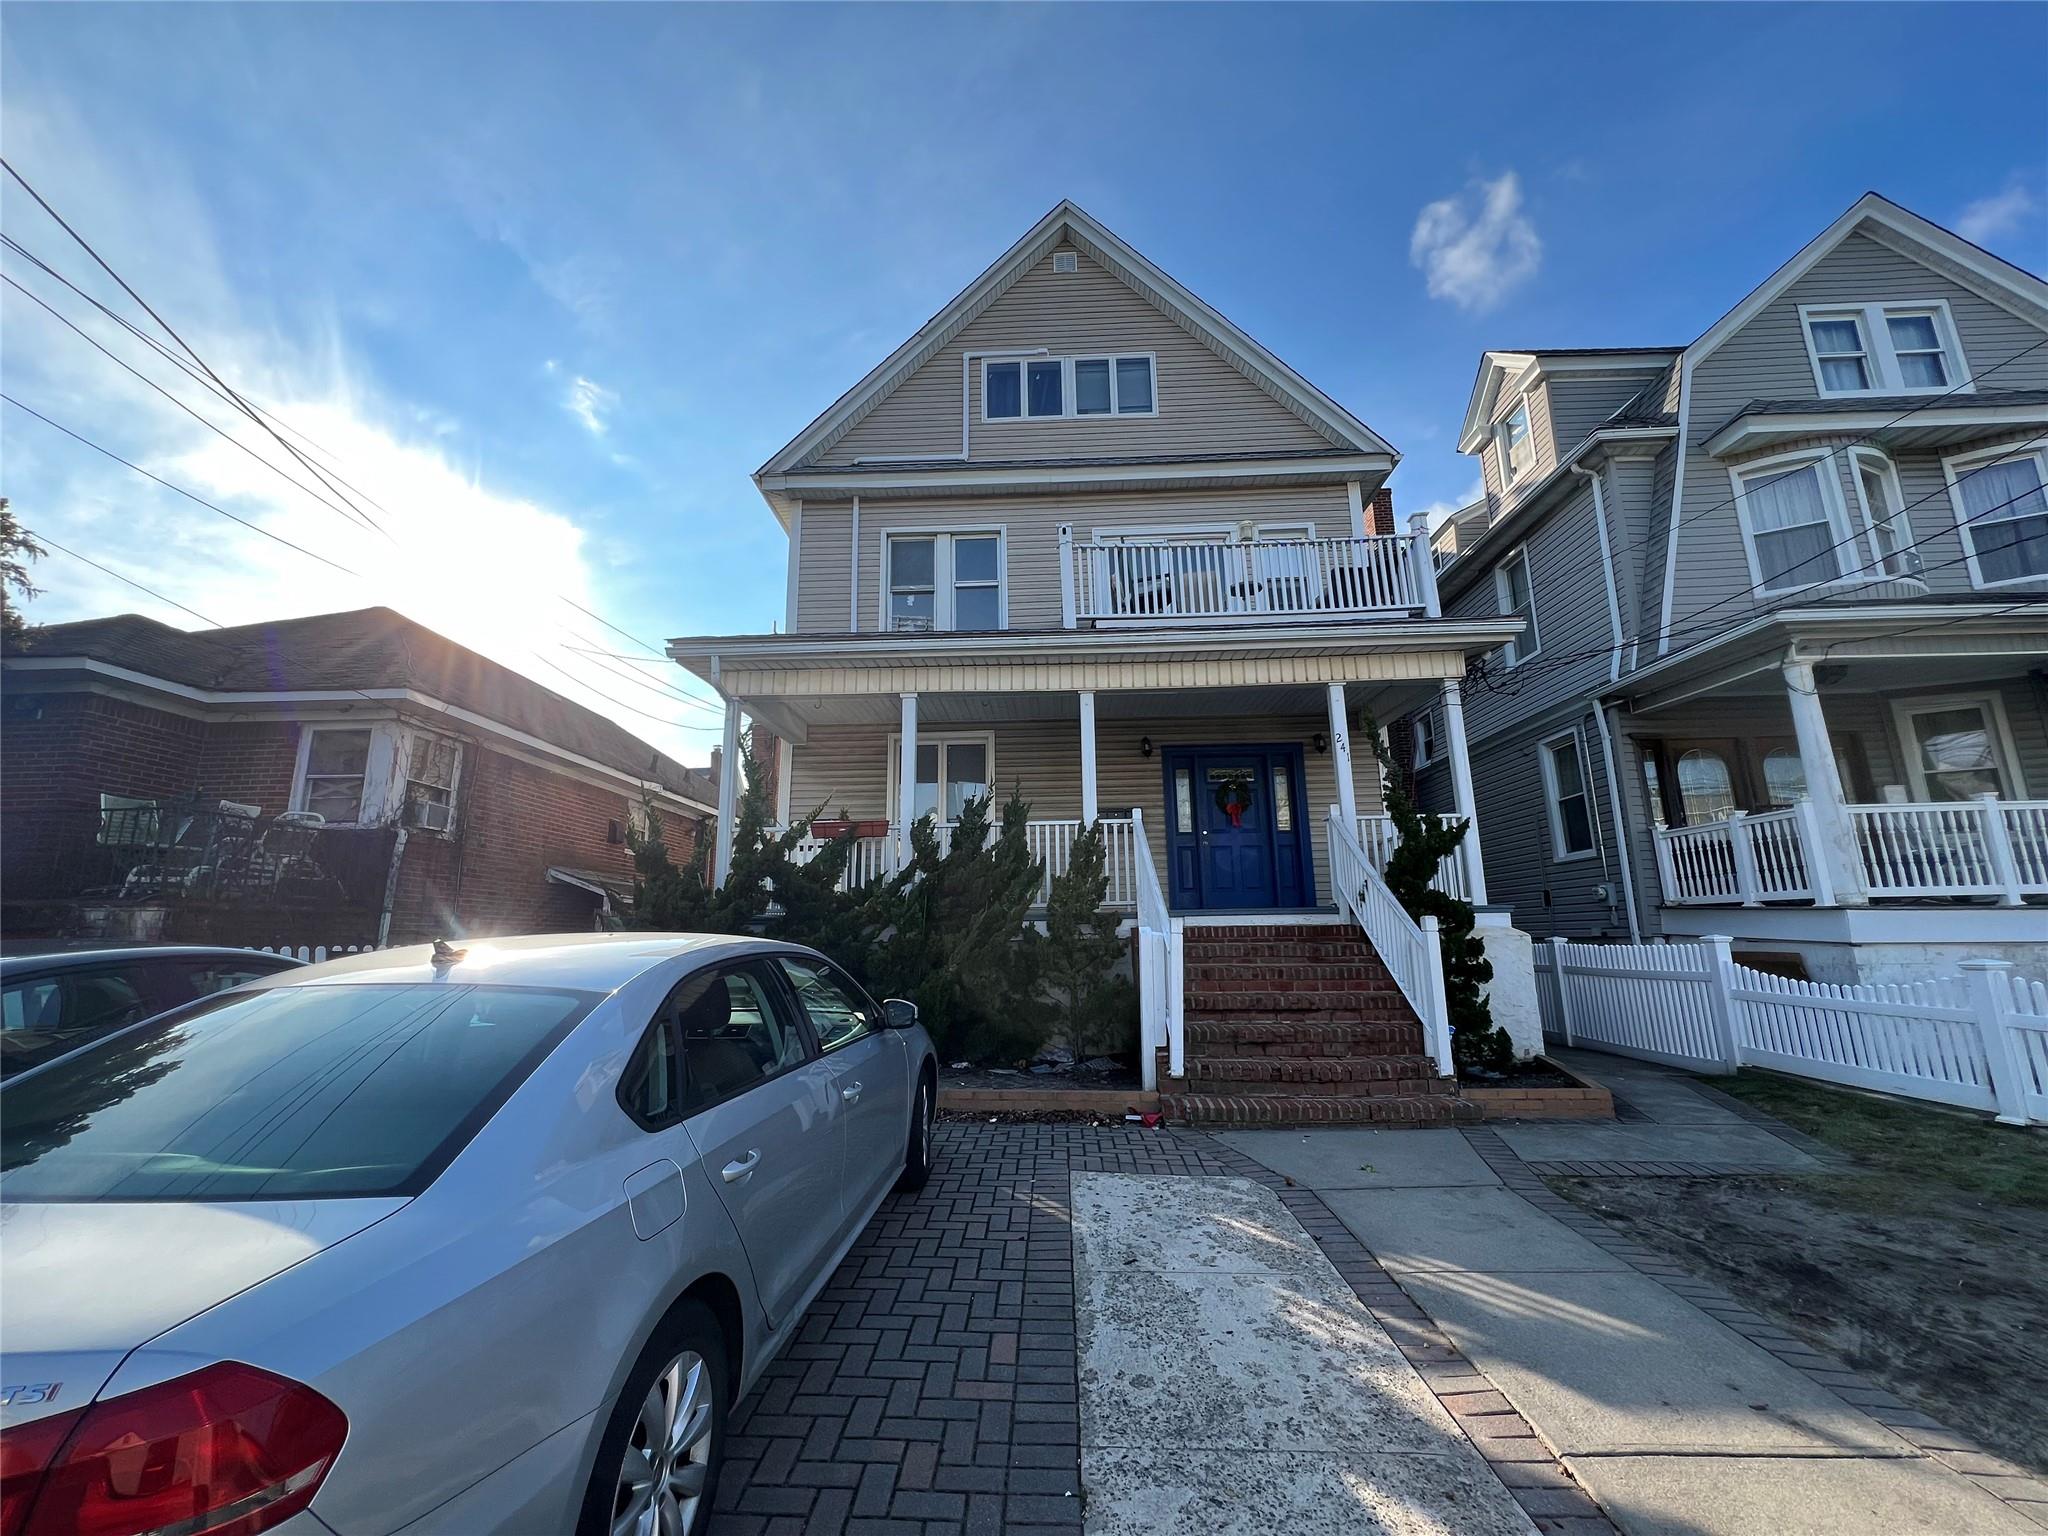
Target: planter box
x=1586 y=1101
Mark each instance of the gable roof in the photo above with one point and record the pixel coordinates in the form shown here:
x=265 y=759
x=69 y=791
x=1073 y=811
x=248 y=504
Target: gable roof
x=368 y=648
x=1502 y=365
x=1068 y=223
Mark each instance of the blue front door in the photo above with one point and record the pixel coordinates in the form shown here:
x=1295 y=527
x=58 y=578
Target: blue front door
x=1236 y=839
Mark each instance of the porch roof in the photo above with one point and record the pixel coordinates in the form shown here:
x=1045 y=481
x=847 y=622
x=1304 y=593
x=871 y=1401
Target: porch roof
x=1972 y=635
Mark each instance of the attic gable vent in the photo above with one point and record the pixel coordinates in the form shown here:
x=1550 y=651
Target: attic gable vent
x=1066 y=261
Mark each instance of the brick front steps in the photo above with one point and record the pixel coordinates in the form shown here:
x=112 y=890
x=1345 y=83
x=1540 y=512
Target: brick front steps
x=1301 y=1025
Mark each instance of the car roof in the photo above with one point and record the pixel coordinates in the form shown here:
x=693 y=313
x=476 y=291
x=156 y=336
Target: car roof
x=67 y=958
x=581 y=962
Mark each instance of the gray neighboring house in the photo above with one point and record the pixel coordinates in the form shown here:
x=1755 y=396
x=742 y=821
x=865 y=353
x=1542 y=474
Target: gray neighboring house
x=1787 y=601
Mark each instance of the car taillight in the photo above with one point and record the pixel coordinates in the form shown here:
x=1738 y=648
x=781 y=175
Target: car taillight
x=26 y=1452
x=226 y=1451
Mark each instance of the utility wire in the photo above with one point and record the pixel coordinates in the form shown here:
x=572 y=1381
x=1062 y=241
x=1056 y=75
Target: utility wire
x=45 y=539
x=597 y=657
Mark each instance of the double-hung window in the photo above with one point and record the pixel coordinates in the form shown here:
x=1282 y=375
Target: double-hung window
x=1517 y=445
x=336 y=768
x=1571 y=804
x=1884 y=513
x=951 y=770
x=1958 y=746
x=2001 y=503
x=1425 y=739
x=430 y=783
x=1038 y=388
x=1792 y=525
x=1878 y=349
x=946 y=581
x=1517 y=597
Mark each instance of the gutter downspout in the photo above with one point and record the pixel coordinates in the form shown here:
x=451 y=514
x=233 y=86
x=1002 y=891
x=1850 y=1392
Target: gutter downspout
x=1606 y=567
x=1628 y=883
x=391 y=888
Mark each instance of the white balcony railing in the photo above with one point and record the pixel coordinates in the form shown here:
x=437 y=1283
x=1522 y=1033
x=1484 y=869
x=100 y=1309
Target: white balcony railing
x=1984 y=847
x=1139 y=581
x=1051 y=842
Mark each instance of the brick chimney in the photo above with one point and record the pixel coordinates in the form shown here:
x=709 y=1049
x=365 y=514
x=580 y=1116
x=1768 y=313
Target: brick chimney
x=1379 y=512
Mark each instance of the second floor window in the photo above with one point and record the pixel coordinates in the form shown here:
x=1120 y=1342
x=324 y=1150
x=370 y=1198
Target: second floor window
x=1793 y=533
x=2001 y=502
x=1905 y=349
x=1518 y=601
x=1035 y=388
x=1517 y=445
x=945 y=581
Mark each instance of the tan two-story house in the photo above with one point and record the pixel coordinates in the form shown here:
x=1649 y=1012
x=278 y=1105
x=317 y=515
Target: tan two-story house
x=1082 y=536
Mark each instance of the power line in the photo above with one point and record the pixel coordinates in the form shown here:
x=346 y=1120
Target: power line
x=45 y=539
x=188 y=495
x=675 y=725
x=597 y=657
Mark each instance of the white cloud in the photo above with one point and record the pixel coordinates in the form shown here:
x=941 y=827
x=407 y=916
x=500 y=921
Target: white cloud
x=1474 y=247
x=590 y=402
x=1439 y=512
x=2002 y=214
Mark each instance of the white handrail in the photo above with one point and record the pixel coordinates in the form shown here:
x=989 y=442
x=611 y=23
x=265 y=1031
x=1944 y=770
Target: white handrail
x=1411 y=951
x=1180 y=579
x=1376 y=837
x=1159 y=968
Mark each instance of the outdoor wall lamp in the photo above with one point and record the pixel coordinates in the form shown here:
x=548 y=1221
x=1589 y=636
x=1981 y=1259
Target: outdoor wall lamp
x=1144 y=746
x=1321 y=741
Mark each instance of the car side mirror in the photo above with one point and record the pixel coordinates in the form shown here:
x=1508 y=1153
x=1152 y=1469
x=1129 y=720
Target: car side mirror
x=901 y=1012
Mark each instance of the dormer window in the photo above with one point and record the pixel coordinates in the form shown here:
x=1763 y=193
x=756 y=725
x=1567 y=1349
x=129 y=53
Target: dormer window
x=1517 y=445
x=1014 y=389
x=1878 y=349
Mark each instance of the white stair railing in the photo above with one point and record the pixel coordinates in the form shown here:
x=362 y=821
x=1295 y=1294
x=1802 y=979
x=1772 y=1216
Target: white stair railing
x=1411 y=951
x=1160 y=977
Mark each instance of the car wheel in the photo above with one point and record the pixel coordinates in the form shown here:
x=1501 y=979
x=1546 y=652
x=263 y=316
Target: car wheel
x=917 y=1162
x=657 y=1464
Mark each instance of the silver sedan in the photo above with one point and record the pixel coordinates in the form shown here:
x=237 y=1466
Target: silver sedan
x=458 y=1241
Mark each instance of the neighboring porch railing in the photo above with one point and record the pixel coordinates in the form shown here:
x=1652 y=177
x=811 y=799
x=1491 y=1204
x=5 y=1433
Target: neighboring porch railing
x=1185 y=580
x=1411 y=951
x=1161 y=977
x=1376 y=837
x=1981 y=847
x=1051 y=842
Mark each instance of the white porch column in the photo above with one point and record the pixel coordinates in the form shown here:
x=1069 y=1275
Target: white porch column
x=1461 y=790
x=785 y=770
x=1824 y=786
x=728 y=793
x=906 y=781
x=1340 y=758
x=1089 y=808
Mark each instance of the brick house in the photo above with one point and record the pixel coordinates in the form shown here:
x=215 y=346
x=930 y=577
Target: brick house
x=347 y=778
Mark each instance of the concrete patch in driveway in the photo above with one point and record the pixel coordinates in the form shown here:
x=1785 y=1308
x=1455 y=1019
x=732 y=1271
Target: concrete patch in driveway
x=1216 y=1397
x=1734 y=1143
x=1615 y=1363
x=1747 y=1496
x=1359 y=1159
x=1476 y=1229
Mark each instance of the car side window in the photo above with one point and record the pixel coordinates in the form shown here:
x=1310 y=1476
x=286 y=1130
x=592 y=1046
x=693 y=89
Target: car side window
x=838 y=1010
x=735 y=1032
x=46 y=1018
x=651 y=1087
x=183 y=983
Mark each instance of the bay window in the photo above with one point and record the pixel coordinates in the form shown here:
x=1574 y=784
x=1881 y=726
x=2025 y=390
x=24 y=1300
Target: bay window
x=1791 y=524
x=944 y=581
x=1877 y=349
x=2001 y=506
x=1884 y=513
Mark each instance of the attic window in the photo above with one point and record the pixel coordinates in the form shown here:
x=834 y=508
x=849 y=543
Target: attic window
x=1069 y=386
x=1065 y=261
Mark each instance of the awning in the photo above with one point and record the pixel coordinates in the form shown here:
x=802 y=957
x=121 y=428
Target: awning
x=612 y=891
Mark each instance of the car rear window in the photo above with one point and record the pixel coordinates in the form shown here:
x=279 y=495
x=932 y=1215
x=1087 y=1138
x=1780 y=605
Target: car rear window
x=291 y=1093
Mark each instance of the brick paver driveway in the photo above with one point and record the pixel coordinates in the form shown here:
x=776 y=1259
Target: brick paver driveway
x=931 y=1389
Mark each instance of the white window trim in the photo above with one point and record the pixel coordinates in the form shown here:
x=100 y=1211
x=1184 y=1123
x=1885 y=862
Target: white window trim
x=384 y=770
x=1833 y=507
x=1953 y=469
x=942 y=573
x=1425 y=740
x=1509 y=474
x=1516 y=651
x=1068 y=411
x=1558 y=854
x=1902 y=525
x=940 y=739
x=1993 y=705
x=1881 y=362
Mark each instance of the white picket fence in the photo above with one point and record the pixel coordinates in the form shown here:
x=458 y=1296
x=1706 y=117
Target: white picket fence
x=313 y=952
x=1979 y=1040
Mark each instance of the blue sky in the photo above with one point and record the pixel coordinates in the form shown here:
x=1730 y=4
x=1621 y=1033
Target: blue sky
x=549 y=282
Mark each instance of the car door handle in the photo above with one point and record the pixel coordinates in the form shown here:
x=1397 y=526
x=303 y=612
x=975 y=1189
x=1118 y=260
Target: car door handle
x=740 y=1168
x=850 y=1094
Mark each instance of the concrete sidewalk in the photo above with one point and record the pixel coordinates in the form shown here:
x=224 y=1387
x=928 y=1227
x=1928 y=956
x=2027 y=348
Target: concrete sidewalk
x=1675 y=1422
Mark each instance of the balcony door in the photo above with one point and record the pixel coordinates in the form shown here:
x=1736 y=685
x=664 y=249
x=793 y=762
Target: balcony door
x=1236 y=836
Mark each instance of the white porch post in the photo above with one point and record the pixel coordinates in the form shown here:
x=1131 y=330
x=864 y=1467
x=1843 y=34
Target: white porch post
x=1824 y=786
x=728 y=793
x=906 y=781
x=1461 y=790
x=1089 y=809
x=785 y=770
x=1340 y=758
x=1424 y=560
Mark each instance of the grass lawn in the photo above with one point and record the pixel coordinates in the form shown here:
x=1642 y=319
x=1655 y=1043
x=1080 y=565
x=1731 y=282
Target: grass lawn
x=1926 y=1153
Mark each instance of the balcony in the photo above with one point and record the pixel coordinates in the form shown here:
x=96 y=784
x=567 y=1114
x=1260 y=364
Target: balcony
x=1167 y=581
x=1985 y=849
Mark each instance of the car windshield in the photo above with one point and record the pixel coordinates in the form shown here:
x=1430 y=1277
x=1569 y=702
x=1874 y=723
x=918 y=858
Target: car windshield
x=288 y=1093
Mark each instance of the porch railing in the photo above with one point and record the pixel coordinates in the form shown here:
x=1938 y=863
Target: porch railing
x=1376 y=837
x=1137 y=581
x=1411 y=951
x=1051 y=842
x=1986 y=847
x=1161 y=977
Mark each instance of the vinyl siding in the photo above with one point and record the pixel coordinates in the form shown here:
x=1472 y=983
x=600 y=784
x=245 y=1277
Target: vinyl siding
x=1580 y=402
x=1204 y=404
x=1030 y=527
x=847 y=767
x=1767 y=359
